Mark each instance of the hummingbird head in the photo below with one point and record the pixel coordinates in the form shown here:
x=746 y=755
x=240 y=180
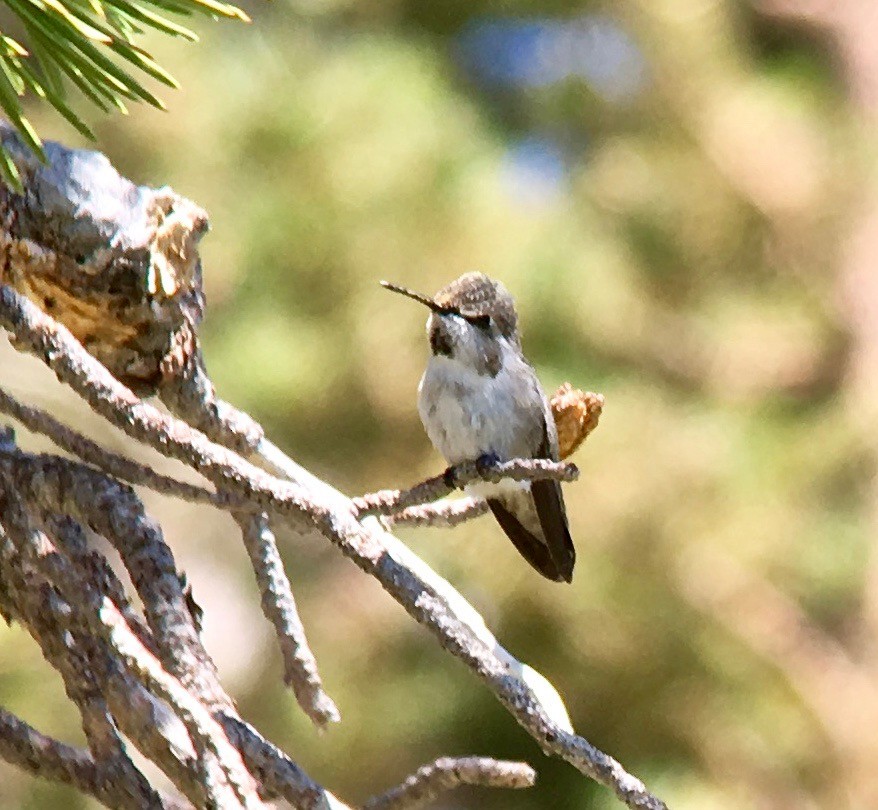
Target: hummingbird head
x=471 y=321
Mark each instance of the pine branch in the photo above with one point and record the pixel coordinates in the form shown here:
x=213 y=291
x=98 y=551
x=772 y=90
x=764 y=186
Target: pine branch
x=92 y=47
x=201 y=744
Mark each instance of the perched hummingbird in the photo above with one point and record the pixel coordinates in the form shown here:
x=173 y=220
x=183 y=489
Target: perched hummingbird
x=480 y=399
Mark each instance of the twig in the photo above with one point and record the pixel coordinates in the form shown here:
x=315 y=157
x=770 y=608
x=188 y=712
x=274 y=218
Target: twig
x=309 y=504
x=44 y=756
x=72 y=661
x=277 y=600
x=445 y=774
x=70 y=536
x=391 y=501
x=461 y=631
x=147 y=721
x=24 y=746
x=114 y=510
x=201 y=726
x=276 y=771
x=279 y=607
x=107 y=623
x=39 y=421
x=444 y=514
x=36 y=332
x=142 y=717
x=188 y=392
x=33 y=602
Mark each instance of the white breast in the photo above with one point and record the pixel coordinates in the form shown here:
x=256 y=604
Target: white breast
x=467 y=415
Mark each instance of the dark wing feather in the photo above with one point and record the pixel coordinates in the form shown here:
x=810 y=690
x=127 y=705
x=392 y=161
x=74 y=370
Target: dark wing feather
x=529 y=546
x=552 y=554
x=549 y=504
x=550 y=510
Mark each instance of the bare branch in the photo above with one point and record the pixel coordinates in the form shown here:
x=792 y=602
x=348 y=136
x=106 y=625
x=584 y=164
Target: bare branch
x=44 y=756
x=311 y=504
x=149 y=722
x=107 y=623
x=203 y=729
x=391 y=501
x=278 y=603
x=444 y=514
x=39 y=421
x=279 y=775
x=115 y=511
x=430 y=781
x=146 y=721
x=158 y=732
x=279 y=607
x=189 y=393
x=117 y=781
x=146 y=339
x=69 y=535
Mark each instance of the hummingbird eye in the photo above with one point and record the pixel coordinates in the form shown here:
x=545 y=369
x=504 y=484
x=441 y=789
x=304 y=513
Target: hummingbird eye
x=479 y=321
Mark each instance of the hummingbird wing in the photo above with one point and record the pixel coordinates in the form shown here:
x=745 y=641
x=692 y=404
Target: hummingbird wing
x=553 y=520
x=547 y=546
x=533 y=549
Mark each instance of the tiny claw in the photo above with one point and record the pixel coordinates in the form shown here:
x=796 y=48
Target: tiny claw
x=486 y=463
x=449 y=478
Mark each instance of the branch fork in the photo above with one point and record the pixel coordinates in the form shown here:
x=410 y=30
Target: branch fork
x=148 y=674
x=391 y=502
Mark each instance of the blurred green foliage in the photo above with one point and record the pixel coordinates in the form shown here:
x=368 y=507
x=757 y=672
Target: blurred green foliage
x=666 y=187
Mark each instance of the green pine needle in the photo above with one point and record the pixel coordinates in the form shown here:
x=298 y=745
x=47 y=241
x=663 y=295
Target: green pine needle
x=72 y=43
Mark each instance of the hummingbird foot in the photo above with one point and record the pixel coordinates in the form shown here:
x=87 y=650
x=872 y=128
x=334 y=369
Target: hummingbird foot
x=486 y=464
x=449 y=478
x=456 y=476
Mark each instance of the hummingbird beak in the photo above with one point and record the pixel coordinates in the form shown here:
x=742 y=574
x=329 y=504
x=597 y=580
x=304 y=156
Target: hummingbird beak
x=422 y=299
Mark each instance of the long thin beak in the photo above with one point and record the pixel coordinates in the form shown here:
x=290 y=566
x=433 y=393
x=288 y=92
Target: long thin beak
x=422 y=299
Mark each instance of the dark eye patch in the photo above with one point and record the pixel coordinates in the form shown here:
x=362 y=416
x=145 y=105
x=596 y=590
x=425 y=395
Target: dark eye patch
x=479 y=321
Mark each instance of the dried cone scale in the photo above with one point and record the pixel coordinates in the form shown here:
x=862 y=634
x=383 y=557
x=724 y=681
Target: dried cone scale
x=576 y=415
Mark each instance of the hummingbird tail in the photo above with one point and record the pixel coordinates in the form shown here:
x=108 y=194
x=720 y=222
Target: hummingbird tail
x=552 y=515
x=534 y=549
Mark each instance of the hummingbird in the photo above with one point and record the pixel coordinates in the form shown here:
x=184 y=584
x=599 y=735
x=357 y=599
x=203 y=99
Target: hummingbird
x=480 y=399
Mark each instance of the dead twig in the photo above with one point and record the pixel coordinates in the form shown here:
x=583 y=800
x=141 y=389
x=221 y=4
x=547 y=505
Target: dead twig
x=392 y=501
x=38 y=421
x=447 y=773
x=158 y=683
x=444 y=514
x=49 y=758
x=107 y=623
x=308 y=504
x=279 y=607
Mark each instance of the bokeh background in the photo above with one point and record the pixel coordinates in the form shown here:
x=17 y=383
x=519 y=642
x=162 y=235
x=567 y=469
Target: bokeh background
x=682 y=195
